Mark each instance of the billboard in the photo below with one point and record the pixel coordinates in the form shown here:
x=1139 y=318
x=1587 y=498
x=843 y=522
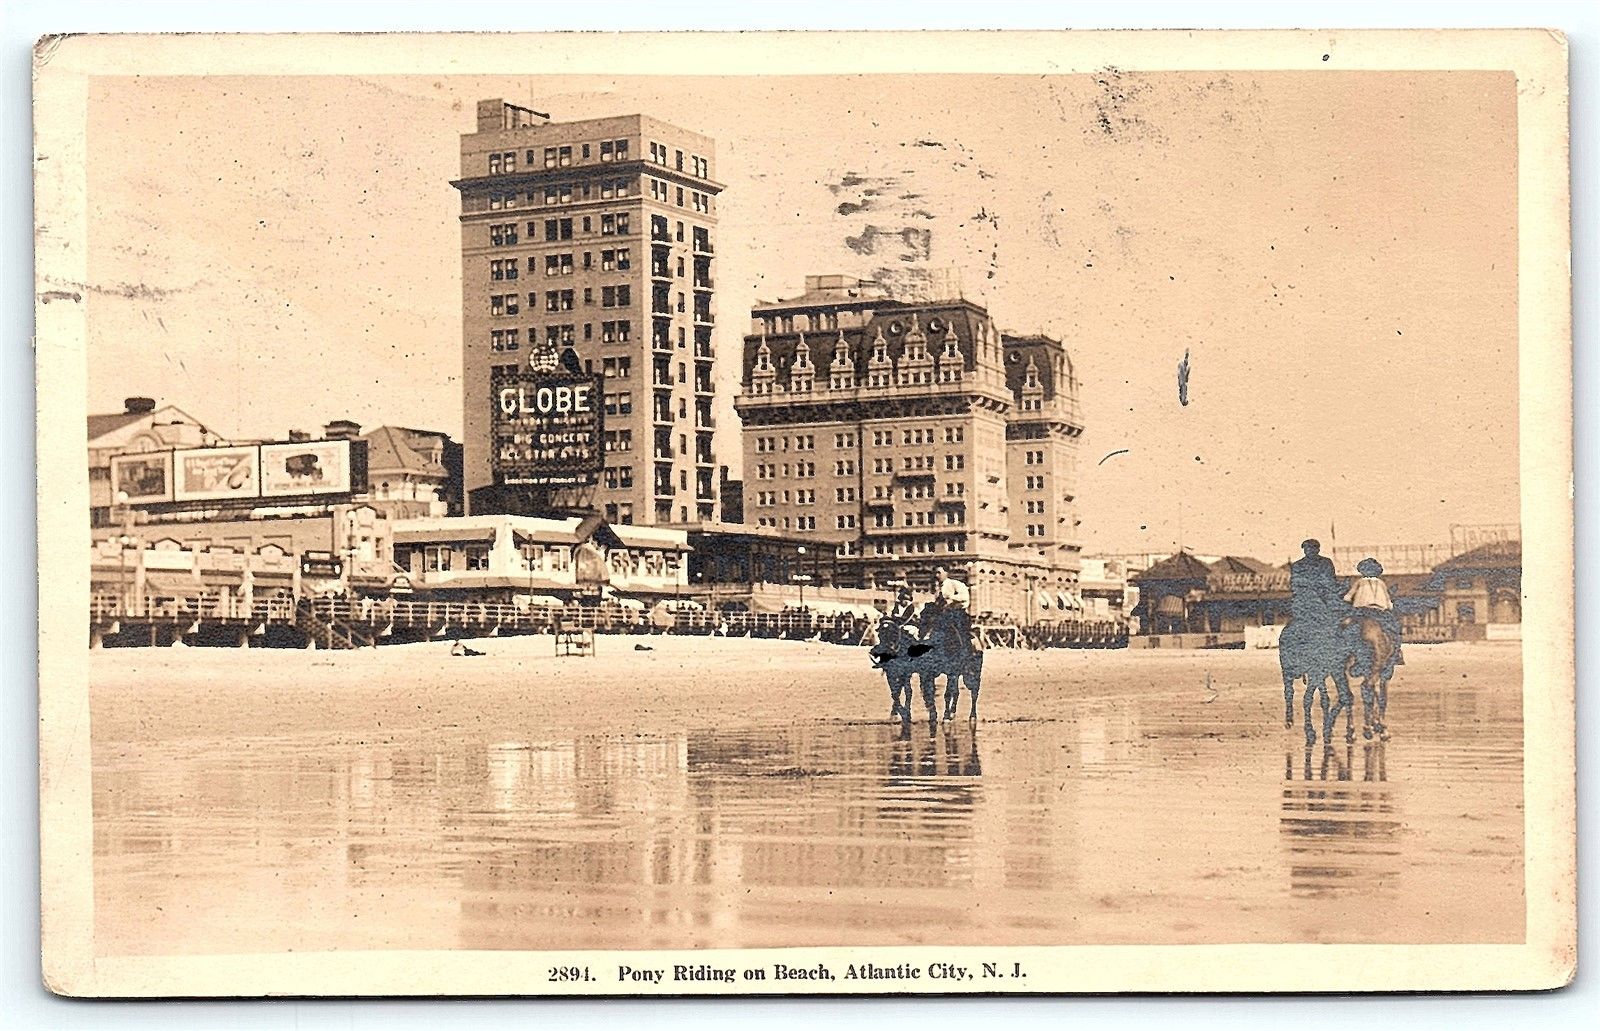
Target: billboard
x=545 y=428
x=144 y=478
x=216 y=473
x=313 y=467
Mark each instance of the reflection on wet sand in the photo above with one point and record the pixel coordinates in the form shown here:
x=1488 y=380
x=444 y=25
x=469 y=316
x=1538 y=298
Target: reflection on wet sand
x=1114 y=817
x=1339 y=837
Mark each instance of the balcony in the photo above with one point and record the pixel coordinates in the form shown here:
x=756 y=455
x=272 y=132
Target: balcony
x=703 y=283
x=704 y=318
x=703 y=350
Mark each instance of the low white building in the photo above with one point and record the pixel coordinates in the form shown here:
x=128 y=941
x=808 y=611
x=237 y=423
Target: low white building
x=560 y=559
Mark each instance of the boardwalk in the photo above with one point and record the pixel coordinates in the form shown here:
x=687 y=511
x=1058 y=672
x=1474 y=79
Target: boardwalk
x=224 y=618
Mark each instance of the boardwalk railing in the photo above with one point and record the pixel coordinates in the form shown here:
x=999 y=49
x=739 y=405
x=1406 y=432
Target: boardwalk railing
x=354 y=622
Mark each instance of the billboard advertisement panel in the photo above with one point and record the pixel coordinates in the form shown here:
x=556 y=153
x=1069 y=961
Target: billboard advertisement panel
x=216 y=473
x=545 y=429
x=144 y=478
x=312 y=467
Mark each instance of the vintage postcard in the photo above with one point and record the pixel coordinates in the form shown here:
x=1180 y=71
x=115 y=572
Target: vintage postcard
x=805 y=513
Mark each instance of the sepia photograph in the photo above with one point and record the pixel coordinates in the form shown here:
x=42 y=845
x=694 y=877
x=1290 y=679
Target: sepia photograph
x=804 y=513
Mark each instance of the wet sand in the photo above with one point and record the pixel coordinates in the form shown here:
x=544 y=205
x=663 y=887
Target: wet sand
x=716 y=793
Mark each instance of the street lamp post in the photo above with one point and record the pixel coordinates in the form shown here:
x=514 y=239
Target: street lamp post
x=124 y=541
x=801 y=577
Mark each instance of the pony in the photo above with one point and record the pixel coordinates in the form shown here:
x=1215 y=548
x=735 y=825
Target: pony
x=1353 y=646
x=1317 y=652
x=925 y=649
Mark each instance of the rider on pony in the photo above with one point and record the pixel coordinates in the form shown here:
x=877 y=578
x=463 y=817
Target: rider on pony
x=1369 y=599
x=952 y=598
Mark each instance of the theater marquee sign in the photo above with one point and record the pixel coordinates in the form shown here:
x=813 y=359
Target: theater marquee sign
x=546 y=429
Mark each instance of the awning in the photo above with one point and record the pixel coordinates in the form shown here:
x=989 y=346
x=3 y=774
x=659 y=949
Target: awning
x=159 y=586
x=628 y=603
x=484 y=581
x=1044 y=600
x=539 y=601
x=443 y=535
x=553 y=536
x=649 y=538
x=1171 y=605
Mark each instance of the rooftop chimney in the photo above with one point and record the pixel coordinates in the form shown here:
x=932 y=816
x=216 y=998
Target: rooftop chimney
x=342 y=429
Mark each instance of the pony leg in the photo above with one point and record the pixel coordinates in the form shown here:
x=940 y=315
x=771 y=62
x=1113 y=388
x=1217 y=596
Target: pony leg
x=1311 y=733
x=1383 y=707
x=1288 y=700
x=1347 y=702
x=1369 y=706
x=1330 y=712
x=952 y=694
x=975 y=681
x=930 y=697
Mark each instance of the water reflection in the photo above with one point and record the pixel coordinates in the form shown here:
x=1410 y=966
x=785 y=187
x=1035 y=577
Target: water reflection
x=1341 y=835
x=1109 y=819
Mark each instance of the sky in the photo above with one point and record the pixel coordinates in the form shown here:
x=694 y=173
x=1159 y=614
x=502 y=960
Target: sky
x=1334 y=251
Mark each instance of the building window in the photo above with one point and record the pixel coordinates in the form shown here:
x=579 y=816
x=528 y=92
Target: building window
x=477 y=556
x=503 y=235
x=436 y=558
x=504 y=339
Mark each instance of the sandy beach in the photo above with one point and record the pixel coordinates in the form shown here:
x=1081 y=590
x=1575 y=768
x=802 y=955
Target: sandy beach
x=734 y=793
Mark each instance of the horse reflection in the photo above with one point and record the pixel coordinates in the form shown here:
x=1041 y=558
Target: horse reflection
x=951 y=754
x=1336 y=827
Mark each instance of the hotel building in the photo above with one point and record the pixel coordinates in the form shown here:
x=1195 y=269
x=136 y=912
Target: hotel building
x=598 y=236
x=911 y=434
